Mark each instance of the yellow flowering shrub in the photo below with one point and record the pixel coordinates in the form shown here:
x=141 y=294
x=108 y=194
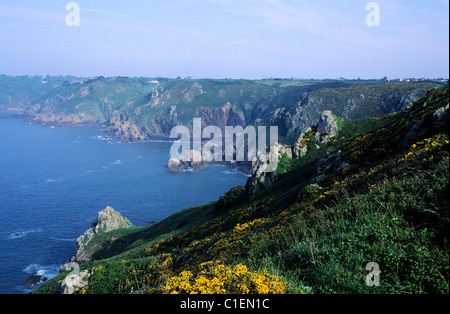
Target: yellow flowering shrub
x=167 y=261
x=254 y=223
x=425 y=146
x=216 y=278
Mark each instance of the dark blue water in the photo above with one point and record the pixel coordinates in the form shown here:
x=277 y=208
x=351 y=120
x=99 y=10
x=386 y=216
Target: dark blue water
x=54 y=181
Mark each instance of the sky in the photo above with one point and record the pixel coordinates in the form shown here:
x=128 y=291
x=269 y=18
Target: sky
x=250 y=39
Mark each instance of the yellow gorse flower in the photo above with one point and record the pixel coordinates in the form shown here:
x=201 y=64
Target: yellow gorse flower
x=425 y=146
x=216 y=278
x=254 y=223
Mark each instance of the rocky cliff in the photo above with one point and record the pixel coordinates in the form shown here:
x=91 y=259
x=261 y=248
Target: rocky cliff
x=38 y=114
x=135 y=109
x=108 y=220
x=263 y=177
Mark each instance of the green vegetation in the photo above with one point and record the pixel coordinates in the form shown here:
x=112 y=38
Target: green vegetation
x=233 y=197
x=22 y=91
x=283 y=164
x=328 y=249
x=315 y=229
x=137 y=109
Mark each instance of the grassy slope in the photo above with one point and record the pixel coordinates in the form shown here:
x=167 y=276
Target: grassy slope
x=97 y=97
x=22 y=91
x=316 y=230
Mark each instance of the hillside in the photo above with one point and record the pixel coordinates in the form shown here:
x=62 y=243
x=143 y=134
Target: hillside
x=142 y=109
x=375 y=192
x=21 y=91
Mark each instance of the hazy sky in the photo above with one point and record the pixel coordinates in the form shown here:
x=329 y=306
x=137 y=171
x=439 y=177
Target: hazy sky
x=226 y=38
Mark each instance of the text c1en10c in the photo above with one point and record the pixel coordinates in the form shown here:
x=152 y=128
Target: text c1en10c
x=246 y=303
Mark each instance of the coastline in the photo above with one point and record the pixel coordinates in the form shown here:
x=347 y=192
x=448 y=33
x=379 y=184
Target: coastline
x=18 y=113
x=31 y=274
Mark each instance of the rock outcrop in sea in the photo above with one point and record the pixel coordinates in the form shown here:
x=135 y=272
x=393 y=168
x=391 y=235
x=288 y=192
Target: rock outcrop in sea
x=108 y=220
x=194 y=162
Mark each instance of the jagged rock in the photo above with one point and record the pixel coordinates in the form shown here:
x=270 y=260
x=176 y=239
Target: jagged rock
x=175 y=165
x=195 y=162
x=300 y=150
x=350 y=107
x=280 y=150
x=298 y=117
x=331 y=163
x=34 y=280
x=327 y=127
x=406 y=102
x=256 y=184
x=264 y=167
x=261 y=164
x=227 y=115
x=125 y=131
x=108 y=220
x=73 y=283
x=440 y=115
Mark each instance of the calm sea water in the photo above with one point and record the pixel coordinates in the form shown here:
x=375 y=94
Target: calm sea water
x=54 y=181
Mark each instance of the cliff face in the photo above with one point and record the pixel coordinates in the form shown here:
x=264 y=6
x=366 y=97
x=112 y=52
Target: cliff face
x=135 y=109
x=124 y=130
x=138 y=128
x=263 y=177
x=221 y=117
x=38 y=114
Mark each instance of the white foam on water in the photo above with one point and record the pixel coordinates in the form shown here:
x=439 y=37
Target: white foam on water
x=51 y=180
x=117 y=162
x=63 y=240
x=47 y=271
x=23 y=233
x=114 y=163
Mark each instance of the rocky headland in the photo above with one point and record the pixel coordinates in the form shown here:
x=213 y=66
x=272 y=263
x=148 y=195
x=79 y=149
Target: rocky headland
x=107 y=220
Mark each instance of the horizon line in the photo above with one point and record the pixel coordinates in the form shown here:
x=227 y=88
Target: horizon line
x=229 y=78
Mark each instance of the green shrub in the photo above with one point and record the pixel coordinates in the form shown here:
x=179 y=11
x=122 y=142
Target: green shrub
x=231 y=198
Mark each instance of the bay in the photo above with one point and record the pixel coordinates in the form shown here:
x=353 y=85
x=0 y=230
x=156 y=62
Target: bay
x=54 y=181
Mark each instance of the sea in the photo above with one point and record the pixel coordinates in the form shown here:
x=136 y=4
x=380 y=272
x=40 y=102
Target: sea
x=54 y=181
